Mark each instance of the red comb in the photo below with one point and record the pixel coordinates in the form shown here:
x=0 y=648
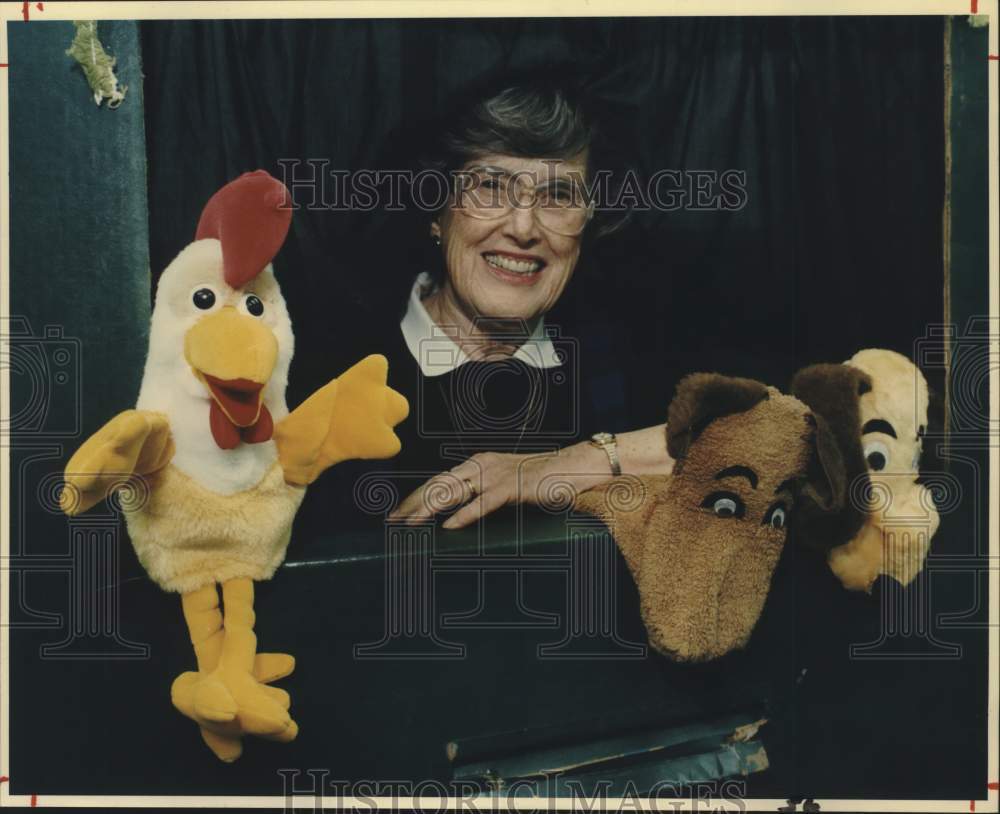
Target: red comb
x=250 y=217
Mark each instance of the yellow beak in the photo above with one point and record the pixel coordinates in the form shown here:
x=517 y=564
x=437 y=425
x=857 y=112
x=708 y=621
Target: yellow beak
x=234 y=355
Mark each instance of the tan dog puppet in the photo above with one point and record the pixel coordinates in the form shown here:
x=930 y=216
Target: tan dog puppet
x=703 y=544
x=880 y=399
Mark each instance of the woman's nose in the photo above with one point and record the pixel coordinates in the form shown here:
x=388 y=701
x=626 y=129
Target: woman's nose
x=522 y=225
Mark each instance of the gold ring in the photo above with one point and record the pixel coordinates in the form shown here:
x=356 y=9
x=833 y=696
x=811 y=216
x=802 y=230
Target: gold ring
x=472 y=489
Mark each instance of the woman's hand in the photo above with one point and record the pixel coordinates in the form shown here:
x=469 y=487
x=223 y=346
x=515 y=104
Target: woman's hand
x=489 y=480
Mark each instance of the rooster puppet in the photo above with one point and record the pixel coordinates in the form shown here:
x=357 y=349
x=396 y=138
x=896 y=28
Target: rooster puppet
x=221 y=464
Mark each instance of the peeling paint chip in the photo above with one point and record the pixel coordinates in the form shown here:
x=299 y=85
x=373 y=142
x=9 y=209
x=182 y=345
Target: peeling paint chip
x=98 y=66
x=756 y=761
x=747 y=731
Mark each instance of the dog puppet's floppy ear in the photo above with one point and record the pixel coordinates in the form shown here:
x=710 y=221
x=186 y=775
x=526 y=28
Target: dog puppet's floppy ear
x=931 y=459
x=825 y=515
x=703 y=397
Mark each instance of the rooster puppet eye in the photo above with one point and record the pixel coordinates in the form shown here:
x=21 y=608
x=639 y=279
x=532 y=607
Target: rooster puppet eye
x=203 y=298
x=876 y=455
x=253 y=305
x=776 y=516
x=724 y=504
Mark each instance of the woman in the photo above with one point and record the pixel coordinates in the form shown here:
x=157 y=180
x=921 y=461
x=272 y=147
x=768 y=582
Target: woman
x=509 y=239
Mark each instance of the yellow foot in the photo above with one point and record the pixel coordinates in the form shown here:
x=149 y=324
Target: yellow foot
x=226 y=748
x=268 y=667
x=261 y=710
x=245 y=706
x=213 y=701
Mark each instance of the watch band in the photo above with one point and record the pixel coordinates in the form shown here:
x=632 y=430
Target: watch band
x=606 y=441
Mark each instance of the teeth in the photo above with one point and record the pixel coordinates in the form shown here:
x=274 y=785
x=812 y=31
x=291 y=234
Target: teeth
x=509 y=264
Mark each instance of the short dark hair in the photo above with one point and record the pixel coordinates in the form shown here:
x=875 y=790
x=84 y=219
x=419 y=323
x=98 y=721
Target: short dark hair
x=540 y=117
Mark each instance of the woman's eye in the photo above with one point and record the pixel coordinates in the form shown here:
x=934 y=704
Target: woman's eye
x=560 y=195
x=253 y=305
x=776 y=516
x=203 y=298
x=876 y=455
x=724 y=504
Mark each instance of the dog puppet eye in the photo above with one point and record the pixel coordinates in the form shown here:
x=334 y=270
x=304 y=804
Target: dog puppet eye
x=776 y=516
x=724 y=504
x=876 y=455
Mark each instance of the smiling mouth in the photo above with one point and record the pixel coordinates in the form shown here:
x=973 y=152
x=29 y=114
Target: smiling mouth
x=240 y=399
x=521 y=266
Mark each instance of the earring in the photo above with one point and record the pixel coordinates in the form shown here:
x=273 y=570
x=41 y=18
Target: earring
x=436 y=239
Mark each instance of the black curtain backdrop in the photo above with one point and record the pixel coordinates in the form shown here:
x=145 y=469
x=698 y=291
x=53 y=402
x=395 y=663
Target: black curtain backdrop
x=837 y=124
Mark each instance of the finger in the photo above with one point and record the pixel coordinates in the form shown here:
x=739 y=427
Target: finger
x=440 y=493
x=487 y=502
x=408 y=505
x=448 y=491
x=466 y=515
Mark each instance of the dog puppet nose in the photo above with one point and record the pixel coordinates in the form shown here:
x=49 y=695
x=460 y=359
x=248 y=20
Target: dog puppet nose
x=703 y=590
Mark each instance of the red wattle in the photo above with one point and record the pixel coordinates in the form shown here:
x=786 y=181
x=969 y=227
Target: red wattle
x=261 y=431
x=229 y=436
x=224 y=431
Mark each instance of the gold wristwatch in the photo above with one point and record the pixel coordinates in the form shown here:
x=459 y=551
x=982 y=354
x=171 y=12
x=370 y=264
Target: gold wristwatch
x=606 y=441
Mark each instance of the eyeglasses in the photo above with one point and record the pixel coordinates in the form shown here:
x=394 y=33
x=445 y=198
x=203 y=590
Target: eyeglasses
x=489 y=193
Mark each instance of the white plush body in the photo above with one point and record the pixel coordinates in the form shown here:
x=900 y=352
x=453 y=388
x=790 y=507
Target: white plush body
x=212 y=514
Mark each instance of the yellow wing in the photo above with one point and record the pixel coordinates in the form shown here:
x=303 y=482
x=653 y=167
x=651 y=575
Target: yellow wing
x=135 y=442
x=349 y=417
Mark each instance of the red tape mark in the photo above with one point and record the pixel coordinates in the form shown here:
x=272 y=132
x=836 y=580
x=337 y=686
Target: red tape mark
x=972 y=805
x=4 y=779
x=975 y=7
x=993 y=57
x=24 y=9
x=994 y=785
x=34 y=800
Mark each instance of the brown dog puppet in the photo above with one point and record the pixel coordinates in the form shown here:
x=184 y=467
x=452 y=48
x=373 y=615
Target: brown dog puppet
x=703 y=542
x=877 y=400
